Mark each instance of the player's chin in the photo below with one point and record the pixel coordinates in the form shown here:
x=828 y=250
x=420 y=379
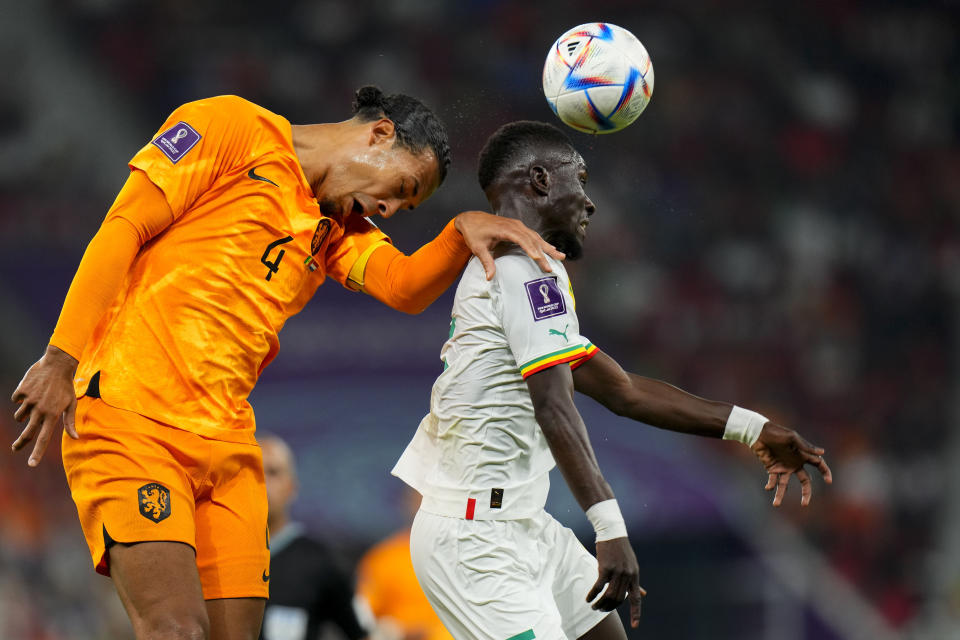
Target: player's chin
x=329 y=207
x=566 y=241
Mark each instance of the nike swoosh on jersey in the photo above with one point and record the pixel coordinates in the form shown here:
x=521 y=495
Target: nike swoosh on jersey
x=253 y=174
x=266 y=576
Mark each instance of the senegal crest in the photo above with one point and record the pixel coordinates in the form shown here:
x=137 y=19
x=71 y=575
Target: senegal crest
x=323 y=228
x=154 y=501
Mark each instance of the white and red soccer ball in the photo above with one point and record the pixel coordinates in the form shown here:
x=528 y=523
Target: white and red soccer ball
x=598 y=77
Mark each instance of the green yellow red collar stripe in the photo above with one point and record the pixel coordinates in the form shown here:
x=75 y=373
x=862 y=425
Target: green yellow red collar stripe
x=543 y=362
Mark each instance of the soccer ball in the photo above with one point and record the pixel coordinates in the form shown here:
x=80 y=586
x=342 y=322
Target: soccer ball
x=598 y=77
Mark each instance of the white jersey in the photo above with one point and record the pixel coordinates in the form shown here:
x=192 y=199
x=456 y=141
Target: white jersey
x=479 y=453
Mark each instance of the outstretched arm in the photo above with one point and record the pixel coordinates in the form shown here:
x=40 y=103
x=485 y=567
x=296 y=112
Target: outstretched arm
x=783 y=452
x=552 y=393
x=411 y=283
x=46 y=391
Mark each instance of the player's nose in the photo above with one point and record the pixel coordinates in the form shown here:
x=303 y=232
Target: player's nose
x=590 y=207
x=387 y=208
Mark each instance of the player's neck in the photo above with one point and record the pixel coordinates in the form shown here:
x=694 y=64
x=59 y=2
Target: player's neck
x=520 y=208
x=318 y=148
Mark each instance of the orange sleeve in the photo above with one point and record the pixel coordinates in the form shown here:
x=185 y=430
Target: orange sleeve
x=199 y=142
x=411 y=283
x=138 y=214
x=347 y=259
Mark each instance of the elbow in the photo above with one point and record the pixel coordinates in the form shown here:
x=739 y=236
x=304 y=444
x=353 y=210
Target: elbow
x=411 y=307
x=622 y=400
x=400 y=301
x=618 y=406
x=549 y=412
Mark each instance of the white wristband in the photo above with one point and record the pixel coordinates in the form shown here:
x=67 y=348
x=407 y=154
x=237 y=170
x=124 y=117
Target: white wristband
x=744 y=426
x=607 y=520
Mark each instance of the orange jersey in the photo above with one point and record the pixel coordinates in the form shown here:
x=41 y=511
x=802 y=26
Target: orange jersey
x=386 y=580
x=197 y=319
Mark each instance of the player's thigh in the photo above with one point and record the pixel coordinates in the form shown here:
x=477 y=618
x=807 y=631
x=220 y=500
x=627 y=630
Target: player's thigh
x=235 y=618
x=573 y=572
x=131 y=479
x=160 y=589
x=484 y=578
x=610 y=628
x=233 y=552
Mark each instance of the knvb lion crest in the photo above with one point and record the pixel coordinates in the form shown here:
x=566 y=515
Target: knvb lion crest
x=323 y=228
x=154 y=501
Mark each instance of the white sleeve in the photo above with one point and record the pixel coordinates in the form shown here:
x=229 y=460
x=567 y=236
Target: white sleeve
x=537 y=315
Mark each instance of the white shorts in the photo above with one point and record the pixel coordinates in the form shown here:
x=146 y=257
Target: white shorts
x=505 y=579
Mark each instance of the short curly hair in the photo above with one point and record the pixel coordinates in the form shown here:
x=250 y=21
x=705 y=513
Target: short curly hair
x=417 y=126
x=510 y=141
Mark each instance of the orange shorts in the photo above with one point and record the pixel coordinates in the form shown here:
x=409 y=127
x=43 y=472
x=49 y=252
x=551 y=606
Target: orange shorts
x=137 y=480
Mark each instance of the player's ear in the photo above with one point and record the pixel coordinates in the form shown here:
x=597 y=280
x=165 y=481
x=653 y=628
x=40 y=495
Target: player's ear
x=382 y=130
x=540 y=179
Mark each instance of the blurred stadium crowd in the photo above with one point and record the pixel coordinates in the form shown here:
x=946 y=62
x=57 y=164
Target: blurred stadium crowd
x=779 y=228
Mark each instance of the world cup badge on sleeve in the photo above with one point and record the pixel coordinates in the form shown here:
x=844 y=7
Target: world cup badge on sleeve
x=545 y=298
x=176 y=141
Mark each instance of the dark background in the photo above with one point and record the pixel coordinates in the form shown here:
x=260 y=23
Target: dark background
x=778 y=229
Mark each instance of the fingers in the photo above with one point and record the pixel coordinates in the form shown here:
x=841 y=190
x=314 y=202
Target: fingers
x=597 y=586
x=486 y=259
x=27 y=434
x=782 y=482
x=534 y=246
x=806 y=446
x=552 y=250
x=825 y=471
x=23 y=411
x=613 y=596
x=806 y=487
x=70 y=420
x=43 y=439
x=636 y=594
x=533 y=249
x=813 y=454
x=771 y=481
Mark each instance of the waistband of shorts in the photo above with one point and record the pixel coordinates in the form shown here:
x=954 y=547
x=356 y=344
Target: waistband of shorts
x=514 y=503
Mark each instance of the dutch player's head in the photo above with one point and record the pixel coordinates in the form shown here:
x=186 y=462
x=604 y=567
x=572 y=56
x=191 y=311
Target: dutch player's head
x=392 y=154
x=530 y=170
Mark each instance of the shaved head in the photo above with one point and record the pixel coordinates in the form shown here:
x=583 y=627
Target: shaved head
x=280 y=476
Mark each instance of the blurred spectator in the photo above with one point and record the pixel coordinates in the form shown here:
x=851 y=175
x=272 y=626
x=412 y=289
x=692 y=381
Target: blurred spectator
x=307 y=586
x=785 y=211
x=387 y=587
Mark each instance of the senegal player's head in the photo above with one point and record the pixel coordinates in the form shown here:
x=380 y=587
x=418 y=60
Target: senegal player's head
x=392 y=154
x=530 y=170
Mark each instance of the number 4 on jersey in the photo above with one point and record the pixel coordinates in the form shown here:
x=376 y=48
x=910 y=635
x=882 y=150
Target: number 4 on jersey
x=275 y=265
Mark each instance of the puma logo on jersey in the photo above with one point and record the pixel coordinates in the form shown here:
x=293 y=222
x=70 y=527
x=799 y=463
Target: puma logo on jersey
x=554 y=332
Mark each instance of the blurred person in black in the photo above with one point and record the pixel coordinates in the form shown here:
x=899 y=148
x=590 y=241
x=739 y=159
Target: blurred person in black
x=307 y=587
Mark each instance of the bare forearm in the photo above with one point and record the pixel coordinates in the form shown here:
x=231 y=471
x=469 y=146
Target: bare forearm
x=647 y=400
x=665 y=406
